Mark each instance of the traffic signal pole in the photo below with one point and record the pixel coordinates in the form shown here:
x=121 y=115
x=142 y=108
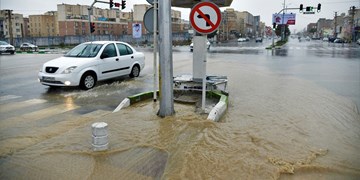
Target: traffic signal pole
x=90 y=12
x=285 y=9
x=91 y=8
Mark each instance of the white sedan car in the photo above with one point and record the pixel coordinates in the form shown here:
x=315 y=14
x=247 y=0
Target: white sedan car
x=6 y=48
x=28 y=47
x=90 y=62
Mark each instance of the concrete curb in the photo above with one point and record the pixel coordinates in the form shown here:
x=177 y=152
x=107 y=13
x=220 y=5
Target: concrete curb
x=125 y=103
x=134 y=99
x=30 y=52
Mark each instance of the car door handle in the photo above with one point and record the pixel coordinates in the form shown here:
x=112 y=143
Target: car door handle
x=117 y=59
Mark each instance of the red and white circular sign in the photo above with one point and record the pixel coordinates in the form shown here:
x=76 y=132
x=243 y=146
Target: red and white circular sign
x=205 y=17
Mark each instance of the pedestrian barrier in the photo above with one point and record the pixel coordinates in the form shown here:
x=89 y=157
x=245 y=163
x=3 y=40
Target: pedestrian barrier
x=100 y=140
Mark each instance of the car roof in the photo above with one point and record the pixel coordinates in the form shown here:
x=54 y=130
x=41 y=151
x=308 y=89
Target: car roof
x=104 y=42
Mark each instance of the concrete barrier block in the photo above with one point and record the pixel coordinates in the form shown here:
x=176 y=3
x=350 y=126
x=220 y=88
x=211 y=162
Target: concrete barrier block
x=125 y=103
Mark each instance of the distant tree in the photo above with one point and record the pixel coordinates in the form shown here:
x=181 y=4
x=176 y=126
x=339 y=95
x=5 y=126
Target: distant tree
x=313 y=30
x=278 y=30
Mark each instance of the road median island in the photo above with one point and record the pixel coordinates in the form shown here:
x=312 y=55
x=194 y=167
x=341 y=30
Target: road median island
x=215 y=114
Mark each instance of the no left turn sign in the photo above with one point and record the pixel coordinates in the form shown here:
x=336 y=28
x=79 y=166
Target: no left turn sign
x=205 y=17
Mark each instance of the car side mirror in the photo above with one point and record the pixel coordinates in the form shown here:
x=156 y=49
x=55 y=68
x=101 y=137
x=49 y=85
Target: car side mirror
x=104 y=55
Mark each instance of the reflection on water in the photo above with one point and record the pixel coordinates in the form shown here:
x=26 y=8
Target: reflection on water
x=276 y=127
x=279 y=52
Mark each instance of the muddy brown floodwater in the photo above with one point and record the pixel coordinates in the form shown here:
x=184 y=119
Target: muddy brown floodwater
x=276 y=127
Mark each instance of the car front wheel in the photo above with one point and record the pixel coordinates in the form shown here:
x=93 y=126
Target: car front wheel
x=88 y=81
x=135 y=71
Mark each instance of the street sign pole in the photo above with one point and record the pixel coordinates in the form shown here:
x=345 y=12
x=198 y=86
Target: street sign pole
x=205 y=18
x=203 y=104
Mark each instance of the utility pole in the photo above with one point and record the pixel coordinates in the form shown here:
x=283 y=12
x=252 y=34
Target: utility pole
x=165 y=60
x=335 y=24
x=9 y=12
x=352 y=10
x=155 y=49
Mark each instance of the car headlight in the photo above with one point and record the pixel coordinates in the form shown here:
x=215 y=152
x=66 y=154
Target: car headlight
x=69 y=70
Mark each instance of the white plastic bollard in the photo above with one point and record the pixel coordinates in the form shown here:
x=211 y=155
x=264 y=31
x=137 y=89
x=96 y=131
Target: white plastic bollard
x=100 y=140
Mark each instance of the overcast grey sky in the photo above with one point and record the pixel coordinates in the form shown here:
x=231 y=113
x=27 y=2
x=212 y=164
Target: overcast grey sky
x=264 y=8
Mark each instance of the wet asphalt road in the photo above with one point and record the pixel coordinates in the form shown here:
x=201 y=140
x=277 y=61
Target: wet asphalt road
x=333 y=66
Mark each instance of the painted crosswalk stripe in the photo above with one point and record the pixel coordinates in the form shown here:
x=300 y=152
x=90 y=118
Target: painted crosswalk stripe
x=37 y=115
x=19 y=105
x=8 y=97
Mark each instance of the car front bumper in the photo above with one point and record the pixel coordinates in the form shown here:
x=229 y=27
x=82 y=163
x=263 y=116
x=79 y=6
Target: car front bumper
x=7 y=50
x=58 y=79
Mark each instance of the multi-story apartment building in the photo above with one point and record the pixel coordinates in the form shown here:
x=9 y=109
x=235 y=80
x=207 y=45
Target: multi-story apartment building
x=140 y=10
x=26 y=27
x=248 y=23
x=350 y=25
x=229 y=25
x=74 y=20
x=176 y=21
x=324 y=27
x=2 y=23
x=44 y=25
x=257 y=26
x=235 y=24
x=138 y=16
x=11 y=24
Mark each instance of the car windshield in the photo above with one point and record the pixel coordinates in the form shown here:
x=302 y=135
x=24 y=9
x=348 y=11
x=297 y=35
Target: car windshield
x=3 y=43
x=84 y=50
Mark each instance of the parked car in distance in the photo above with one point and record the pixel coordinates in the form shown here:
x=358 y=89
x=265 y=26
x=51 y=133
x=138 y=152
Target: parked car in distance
x=339 y=40
x=358 y=42
x=90 y=62
x=258 y=39
x=332 y=39
x=325 y=39
x=208 y=44
x=28 y=47
x=6 y=48
x=243 y=39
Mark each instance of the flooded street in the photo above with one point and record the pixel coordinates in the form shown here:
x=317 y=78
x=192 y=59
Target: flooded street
x=280 y=124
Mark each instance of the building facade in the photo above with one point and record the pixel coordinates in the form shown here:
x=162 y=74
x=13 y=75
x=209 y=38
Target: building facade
x=11 y=24
x=248 y=23
x=74 y=20
x=44 y=25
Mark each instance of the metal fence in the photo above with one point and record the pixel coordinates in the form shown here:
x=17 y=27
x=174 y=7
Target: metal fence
x=74 y=40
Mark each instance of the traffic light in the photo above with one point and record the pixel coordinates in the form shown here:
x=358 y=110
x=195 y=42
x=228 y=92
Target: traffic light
x=123 y=4
x=319 y=7
x=274 y=25
x=301 y=7
x=309 y=8
x=92 y=27
x=111 y=3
